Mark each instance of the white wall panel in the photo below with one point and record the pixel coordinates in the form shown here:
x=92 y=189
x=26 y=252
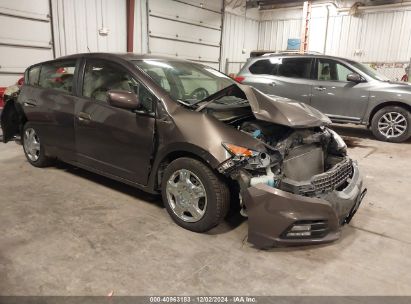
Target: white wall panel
x=77 y=24
x=140 y=27
x=185 y=29
x=374 y=36
x=239 y=33
x=25 y=37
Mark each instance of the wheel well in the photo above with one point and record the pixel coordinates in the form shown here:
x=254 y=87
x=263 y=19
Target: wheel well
x=388 y=104
x=171 y=157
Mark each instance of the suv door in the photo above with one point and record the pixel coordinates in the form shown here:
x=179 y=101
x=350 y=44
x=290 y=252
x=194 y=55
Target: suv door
x=109 y=139
x=282 y=76
x=333 y=95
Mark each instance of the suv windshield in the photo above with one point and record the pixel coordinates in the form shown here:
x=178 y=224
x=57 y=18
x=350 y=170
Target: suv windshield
x=185 y=81
x=369 y=71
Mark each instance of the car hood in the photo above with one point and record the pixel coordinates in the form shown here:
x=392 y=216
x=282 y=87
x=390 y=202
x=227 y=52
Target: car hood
x=283 y=111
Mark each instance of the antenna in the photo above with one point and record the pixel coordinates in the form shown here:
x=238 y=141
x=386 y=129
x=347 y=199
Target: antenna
x=88 y=49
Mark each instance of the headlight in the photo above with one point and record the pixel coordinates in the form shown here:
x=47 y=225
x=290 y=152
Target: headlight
x=239 y=151
x=341 y=145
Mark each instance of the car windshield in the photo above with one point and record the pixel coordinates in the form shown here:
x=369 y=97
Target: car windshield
x=369 y=71
x=185 y=82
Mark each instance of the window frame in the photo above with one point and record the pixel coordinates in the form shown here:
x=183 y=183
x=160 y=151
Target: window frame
x=27 y=75
x=75 y=75
x=337 y=62
x=258 y=61
x=80 y=84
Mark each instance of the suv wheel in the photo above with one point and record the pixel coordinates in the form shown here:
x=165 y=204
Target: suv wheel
x=194 y=196
x=391 y=124
x=33 y=149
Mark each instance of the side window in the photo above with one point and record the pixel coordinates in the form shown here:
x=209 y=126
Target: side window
x=332 y=70
x=33 y=76
x=295 y=67
x=264 y=67
x=101 y=76
x=57 y=75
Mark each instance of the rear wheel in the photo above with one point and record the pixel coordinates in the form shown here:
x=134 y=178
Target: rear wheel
x=194 y=196
x=391 y=124
x=33 y=149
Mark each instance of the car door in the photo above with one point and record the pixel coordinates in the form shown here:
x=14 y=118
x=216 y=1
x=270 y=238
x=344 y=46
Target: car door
x=115 y=141
x=333 y=95
x=48 y=101
x=283 y=76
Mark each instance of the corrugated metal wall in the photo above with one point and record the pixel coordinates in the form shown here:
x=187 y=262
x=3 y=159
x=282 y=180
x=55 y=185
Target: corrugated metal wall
x=239 y=33
x=140 y=27
x=92 y=25
x=25 y=37
x=373 y=36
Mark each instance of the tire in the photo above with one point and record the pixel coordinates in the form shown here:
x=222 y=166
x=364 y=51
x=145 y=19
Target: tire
x=35 y=156
x=210 y=208
x=384 y=130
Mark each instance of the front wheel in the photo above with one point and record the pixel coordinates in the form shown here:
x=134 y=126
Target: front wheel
x=194 y=196
x=391 y=124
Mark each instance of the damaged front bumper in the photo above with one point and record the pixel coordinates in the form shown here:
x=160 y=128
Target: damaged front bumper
x=276 y=217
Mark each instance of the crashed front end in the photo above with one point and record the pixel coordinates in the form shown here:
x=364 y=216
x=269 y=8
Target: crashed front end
x=301 y=190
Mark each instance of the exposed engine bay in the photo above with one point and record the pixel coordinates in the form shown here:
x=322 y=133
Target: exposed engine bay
x=308 y=161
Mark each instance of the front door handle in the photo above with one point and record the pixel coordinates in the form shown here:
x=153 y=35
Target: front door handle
x=85 y=117
x=320 y=88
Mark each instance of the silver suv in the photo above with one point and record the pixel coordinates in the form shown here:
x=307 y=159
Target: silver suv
x=345 y=90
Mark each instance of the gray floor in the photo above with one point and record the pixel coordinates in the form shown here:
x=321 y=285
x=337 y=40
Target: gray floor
x=65 y=231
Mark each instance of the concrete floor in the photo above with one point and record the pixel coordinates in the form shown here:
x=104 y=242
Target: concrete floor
x=65 y=231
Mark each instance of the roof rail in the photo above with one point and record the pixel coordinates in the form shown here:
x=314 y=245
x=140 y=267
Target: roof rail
x=268 y=53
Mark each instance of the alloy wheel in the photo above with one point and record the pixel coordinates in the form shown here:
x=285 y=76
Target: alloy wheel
x=31 y=144
x=392 y=124
x=186 y=195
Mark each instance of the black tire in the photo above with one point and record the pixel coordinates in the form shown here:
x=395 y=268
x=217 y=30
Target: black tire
x=42 y=160
x=217 y=193
x=391 y=109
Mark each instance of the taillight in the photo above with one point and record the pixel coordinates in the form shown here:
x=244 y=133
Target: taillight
x=239 y=79
x=20 y=82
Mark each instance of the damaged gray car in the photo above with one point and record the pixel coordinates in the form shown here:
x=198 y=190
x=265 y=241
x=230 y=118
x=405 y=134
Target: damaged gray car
x=194 y=135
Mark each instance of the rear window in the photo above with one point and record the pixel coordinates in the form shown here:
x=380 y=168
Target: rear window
x=264 y=67
x=58 y=75
x=33 y=75
x=295 y=67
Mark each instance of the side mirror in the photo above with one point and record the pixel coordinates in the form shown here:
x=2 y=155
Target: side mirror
x=354 y=77
x=123 y=99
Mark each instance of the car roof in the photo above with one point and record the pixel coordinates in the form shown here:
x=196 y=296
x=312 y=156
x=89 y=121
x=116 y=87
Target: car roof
x=124 y=56
x=310 y=55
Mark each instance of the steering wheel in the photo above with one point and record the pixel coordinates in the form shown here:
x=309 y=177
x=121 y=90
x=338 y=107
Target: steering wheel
x=199 y=94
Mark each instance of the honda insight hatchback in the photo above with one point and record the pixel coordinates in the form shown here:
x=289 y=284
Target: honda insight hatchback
x=194 y=135
x=347 y=91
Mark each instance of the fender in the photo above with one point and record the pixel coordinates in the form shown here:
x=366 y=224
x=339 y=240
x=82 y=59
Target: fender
x=174 y=151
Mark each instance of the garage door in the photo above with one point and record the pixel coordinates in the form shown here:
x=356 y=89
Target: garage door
x=188 y=29
x=25 y=37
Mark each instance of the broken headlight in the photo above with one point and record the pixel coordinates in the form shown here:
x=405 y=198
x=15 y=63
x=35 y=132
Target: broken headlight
x=339 y=142
x=240 y=157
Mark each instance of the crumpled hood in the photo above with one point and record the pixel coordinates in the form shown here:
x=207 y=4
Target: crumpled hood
x=283 y=111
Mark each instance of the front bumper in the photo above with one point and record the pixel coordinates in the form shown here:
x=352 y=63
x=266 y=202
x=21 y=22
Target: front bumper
x=273 y=212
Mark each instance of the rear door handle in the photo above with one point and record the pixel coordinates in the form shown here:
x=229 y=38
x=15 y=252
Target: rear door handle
x=85 y=117
x=273 y=84
x=320 y=88
x=30 y=103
